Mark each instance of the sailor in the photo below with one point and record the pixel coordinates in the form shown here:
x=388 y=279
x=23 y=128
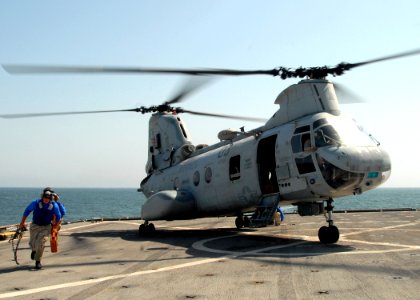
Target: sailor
x=61 y=207
x=44 y=210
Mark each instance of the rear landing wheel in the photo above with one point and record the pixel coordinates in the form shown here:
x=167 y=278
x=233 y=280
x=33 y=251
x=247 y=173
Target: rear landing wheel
x=147 y=229
x=239 y=222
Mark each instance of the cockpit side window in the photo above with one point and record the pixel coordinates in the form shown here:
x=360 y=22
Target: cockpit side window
x=301 y=141
x=296 y=144
x=305 y=165
x=302 y=129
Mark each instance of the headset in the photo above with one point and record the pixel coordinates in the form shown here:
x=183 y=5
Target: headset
x=49 y=194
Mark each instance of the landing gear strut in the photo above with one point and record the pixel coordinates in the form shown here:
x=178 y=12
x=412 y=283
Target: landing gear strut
x=147 y=229
x=330 y=234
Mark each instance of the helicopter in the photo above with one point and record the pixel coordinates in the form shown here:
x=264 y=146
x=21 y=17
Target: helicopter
x=306 y=154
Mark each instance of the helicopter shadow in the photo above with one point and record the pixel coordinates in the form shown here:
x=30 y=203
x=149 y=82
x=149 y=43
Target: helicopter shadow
x=245 y=243
x=216 y=242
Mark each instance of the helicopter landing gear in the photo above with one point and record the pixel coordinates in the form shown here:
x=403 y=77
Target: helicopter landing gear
x=147 y=229
x=329 y=234
x=242 y=221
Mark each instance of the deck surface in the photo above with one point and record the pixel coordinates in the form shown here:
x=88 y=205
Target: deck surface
x=377 y=257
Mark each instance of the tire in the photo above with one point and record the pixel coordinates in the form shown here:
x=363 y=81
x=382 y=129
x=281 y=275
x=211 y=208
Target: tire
x=323 y=234
x=142 y=229
x=328 y=235
x=151 y=229
x=333 y=234
x=239 y=222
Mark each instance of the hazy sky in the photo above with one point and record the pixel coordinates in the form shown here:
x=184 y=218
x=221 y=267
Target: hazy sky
x=110 y=150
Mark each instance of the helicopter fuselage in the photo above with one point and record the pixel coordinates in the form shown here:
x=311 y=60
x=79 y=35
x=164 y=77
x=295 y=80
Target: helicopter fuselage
x=312 y=159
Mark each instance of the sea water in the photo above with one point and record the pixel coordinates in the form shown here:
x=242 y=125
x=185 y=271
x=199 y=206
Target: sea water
x=80 y=203
x=90 y=203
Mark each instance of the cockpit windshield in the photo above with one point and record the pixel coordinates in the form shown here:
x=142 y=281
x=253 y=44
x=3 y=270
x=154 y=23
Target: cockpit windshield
x=340 y=131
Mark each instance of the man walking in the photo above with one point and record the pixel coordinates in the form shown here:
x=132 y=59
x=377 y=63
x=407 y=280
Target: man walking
x=44 y=210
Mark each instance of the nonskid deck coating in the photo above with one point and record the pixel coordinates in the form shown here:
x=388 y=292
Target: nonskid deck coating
x=377 y=257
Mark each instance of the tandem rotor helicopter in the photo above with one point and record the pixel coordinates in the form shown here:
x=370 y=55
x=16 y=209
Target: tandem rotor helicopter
x=306 y=154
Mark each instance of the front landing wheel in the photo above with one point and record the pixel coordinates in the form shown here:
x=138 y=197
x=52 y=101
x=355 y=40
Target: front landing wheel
x=328 y=235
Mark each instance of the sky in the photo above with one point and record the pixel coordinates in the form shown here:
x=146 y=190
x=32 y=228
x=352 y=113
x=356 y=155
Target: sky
x=110 y=150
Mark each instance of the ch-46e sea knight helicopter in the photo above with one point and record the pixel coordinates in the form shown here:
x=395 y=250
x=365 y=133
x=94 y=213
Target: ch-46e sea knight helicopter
x=305 y=155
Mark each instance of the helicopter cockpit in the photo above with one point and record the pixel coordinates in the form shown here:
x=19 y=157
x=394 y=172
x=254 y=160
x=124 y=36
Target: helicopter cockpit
x=340 y=131
x=342 y=151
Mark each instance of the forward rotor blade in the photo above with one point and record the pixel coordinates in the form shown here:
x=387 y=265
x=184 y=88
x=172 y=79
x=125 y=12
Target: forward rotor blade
x=42 y=69
x=283 y=72
x=389 y=57
x=34 y=115
x=253 y=119
x=347 y=96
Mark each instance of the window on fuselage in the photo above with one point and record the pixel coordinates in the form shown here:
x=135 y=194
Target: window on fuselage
x=235 y=167
x=305 y=165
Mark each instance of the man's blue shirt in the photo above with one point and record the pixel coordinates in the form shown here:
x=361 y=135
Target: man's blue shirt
x=43 y=213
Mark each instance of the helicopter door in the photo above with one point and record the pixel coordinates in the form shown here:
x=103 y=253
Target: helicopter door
x=266 y=160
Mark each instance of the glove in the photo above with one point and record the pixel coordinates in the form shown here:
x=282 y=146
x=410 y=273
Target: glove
x=22 y=227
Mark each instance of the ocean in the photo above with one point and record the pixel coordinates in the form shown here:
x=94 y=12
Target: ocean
x=90 y=203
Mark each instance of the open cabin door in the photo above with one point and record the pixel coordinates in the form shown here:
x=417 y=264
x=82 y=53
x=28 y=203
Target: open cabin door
x=266 y=160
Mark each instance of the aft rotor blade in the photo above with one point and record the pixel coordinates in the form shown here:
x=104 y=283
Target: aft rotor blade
x=190 y=86
x=42 y=69
x=253 y=119
x=34 y=115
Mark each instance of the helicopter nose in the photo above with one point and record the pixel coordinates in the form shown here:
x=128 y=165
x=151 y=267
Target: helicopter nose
x=358 y=159
x=368 y=167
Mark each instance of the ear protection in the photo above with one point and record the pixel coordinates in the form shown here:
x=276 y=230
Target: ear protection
x=47 y=193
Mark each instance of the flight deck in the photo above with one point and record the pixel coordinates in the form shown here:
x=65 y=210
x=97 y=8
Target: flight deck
x=377 y=257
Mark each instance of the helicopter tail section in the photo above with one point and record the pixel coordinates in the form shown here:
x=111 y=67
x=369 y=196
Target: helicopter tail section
x=169 y=141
